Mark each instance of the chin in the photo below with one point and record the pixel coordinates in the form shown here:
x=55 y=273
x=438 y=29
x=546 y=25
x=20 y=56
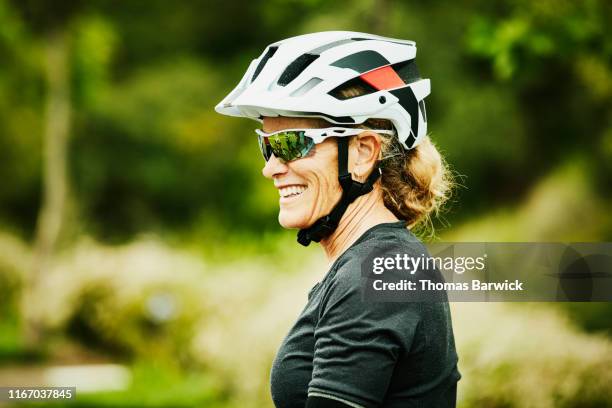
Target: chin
x=292 y=219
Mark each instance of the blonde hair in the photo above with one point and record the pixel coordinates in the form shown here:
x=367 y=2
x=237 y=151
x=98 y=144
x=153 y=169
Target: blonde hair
x=416 y=183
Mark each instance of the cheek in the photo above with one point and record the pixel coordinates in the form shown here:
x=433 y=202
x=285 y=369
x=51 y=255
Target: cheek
x=327 y=185
x=319 y=172
x=323 y=177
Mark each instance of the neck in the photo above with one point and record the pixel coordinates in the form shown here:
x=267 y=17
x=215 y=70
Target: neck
x=364 y=213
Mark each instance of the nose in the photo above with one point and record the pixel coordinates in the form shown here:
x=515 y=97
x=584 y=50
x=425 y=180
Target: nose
x=273 y=168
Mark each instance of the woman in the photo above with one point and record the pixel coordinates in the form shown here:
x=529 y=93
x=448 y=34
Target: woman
x=344 y=139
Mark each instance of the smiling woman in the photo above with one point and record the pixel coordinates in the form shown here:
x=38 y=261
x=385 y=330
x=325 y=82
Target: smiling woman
x=344 y=142
x=318 y=186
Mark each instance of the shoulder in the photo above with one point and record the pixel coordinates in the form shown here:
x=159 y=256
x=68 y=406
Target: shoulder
x=353 y=270
x=388 y=254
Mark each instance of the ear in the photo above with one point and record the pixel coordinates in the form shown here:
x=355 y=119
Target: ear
x=365 y=151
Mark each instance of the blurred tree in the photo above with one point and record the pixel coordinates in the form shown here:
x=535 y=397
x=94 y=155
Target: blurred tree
x=50 y=23
x=557 y=56
x=379 y=16
x=146 y=150
x=21 y=84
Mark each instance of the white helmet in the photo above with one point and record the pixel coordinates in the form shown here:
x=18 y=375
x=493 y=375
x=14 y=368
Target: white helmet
x=303 y=76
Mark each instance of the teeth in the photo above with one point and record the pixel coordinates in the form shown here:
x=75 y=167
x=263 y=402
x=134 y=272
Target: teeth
x=291 y=190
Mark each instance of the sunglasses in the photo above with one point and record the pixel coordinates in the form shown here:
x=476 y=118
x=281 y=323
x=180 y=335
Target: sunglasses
x=292 y=144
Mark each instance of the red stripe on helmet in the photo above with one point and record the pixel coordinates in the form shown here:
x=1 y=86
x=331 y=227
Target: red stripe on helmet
x=383 y=78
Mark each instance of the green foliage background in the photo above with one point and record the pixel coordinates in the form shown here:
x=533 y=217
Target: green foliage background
x=520 y=107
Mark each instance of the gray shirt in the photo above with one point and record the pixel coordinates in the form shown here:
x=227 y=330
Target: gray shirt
x=367 y=354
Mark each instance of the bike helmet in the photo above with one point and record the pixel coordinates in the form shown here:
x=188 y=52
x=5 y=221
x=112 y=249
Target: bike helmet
x=304 y=76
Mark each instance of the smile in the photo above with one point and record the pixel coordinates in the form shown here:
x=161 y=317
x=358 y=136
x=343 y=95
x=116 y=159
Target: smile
x=291 y=191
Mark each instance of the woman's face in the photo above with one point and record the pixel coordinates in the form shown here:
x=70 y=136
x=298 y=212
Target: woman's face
x=308 y=187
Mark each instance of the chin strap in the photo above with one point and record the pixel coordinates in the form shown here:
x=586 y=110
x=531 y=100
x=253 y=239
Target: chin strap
x=351 y=189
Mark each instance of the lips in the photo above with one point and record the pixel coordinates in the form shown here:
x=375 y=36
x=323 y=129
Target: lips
x=291 y=191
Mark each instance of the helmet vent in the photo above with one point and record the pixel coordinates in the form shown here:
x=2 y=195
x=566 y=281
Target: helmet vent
x=319 y=50
x=352 y=89
x=269 y=54
x=422 y=108
x=296 y=68
x=312 y=82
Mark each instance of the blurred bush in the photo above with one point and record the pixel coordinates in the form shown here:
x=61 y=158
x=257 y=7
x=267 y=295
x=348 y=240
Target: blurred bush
x=528 y=355
x=137 y=301
x=146 y=301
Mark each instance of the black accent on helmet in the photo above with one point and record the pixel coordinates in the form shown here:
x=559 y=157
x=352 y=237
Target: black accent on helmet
x=269 y=54
x=351 y=189
x=362 y=61
x=299 y=64
x=407 y=70
x=296 y=68
x=408 y=101
x=411 y=139
x=336 y=119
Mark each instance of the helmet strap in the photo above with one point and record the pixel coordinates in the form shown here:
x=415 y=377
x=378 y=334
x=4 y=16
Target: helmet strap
x=351 y=189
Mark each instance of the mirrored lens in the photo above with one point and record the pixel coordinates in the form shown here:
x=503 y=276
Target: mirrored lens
x=286 y=146
x=264 y=147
